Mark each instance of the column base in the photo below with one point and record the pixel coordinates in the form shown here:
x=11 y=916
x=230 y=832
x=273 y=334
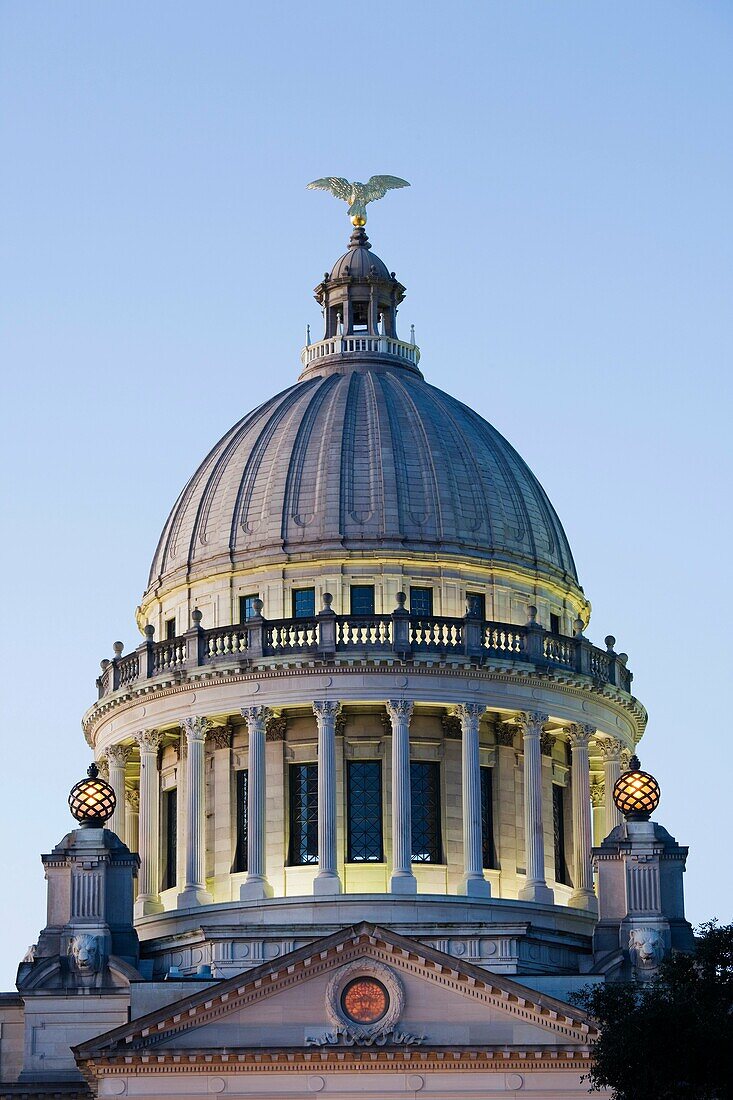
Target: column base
x=147 y=904
x=475 y=886
x=193 y=896
x=326 y=882
x=584 y=899
x=256 y=888
x=537 y=891
x=402 y=882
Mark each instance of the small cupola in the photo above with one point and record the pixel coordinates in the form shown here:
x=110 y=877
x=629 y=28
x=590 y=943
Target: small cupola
x=360 y=296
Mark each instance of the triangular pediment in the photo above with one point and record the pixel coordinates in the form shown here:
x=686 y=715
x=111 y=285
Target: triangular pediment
x=293 y=1004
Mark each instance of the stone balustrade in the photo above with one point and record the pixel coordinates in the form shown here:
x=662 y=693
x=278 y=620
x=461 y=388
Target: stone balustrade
x=360 y=344
x=399 y=636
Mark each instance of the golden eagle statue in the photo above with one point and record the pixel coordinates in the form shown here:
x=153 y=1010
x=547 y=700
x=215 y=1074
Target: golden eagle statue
x=358 y=194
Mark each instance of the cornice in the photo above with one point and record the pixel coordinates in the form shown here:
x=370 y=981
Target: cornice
x=623 y=705
x=447 y=1059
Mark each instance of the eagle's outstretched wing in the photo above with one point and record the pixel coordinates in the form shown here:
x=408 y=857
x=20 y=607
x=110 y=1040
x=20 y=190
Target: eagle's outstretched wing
x=378 y=186
x=337 y=185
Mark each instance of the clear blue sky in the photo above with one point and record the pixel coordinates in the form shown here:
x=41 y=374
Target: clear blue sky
x=566 y=245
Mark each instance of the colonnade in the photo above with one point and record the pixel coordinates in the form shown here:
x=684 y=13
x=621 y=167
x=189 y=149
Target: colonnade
x=530 y=725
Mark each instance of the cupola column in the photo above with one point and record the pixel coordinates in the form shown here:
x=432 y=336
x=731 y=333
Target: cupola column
x=402 y=880
x=194 y=890
x=117 y=757
x=474 y=882
x=256 y=886
x=148 y=898
x=610 y=749
x=583 y=895
x=535 y=888
x=327 y=880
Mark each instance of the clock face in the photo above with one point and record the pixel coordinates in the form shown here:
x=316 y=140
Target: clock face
x=365 y=1000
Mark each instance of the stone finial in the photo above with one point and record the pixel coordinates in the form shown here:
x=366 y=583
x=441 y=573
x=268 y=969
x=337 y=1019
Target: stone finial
x=327 y=601
x=258 y=606
x=532 y=623
x=610 y=642
x=104 y=665
x=196 y=617
x=578 y=627
x=149 y=632
x=401 y=600
x=118 y=648
x=412 y=335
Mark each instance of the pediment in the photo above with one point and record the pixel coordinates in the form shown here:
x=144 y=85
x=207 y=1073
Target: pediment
x=296 y=1004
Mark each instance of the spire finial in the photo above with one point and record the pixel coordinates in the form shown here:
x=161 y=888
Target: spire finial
x=358 y=194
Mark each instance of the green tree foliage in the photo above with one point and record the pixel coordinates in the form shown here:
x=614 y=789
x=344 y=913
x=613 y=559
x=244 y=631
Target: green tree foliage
x=671 y=1039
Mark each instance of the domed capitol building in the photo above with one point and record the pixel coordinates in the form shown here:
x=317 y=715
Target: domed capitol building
x=339 y=833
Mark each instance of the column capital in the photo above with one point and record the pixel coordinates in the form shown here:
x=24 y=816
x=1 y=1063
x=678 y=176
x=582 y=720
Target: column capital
x=325 y=709
x=132 y=798
x=608 y=748
x=103 y=767
x=597 y=793
x=470 y=712
x=148 y=740
x=256 y=717
x=119 y=754
x=530 y=723
x=195 y=728
x=579 y=735
x=220 y=736
x=398 y=709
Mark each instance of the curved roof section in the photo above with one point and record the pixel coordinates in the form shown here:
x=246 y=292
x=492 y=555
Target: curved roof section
x=358 y=263
x=373 y=460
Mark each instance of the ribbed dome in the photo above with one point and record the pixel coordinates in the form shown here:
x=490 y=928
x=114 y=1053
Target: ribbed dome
x=372 y=459
x=358 y=263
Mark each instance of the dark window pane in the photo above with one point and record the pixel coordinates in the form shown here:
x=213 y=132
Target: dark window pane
x=487 y=818
x=362 y=599
x=360 y=313
x=555 y=623
x=364 y=809
x=303 y=814
x=246 y=607
x=170 y=629
x=170 y=837
x=304 y=603
x=476 y=604
x=240 y=855
x=558 y=825
x=421 y=602
x=425 y=791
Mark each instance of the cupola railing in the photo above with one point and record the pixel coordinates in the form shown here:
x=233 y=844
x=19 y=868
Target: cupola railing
x=360 y=345
x=399 y=637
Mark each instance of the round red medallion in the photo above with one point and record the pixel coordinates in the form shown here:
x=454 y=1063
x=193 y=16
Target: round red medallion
x=365 y=1000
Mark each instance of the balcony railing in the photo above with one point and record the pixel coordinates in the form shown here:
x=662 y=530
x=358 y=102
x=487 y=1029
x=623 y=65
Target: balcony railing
x=360 y=344
x=400 y=636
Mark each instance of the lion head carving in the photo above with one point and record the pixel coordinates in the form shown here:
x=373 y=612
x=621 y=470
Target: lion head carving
x=646 y=948
x=86 y=954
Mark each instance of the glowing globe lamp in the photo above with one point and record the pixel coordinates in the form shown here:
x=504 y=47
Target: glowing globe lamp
x=636 y=793
x=92 y=800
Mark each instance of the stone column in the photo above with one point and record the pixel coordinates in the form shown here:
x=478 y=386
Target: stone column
x=117 y=757
x=132 y=819
x=583 y=895
x=474 y=883
x=610 y=750
x=148 y=897
x=535 y=888
x=220 y=741
x=255 y=886
x=194 y=888
x=402 y=880
x=327 y=880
